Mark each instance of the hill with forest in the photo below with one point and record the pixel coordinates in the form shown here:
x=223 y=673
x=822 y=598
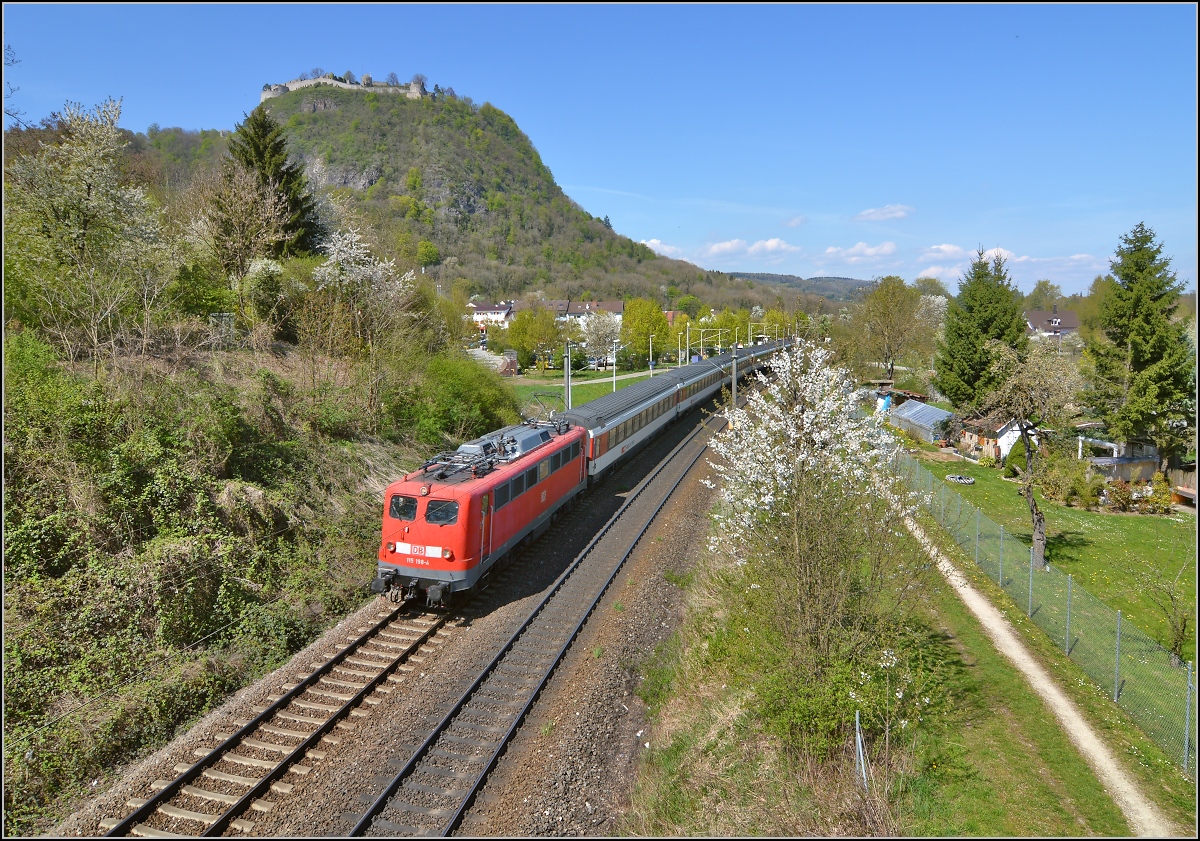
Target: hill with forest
x=466 y=179
x=829 y=288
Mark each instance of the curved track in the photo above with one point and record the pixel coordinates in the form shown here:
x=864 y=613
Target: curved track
x=430 y=793
x=235 y=777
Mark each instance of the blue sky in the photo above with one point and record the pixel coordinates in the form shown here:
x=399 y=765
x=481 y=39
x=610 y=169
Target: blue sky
x=812 y=140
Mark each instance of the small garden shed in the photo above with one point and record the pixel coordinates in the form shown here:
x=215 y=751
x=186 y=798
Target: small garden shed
x=921 y=420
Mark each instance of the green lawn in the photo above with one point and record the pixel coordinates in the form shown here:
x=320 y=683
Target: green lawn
x=581 y=392
x=1103 y=552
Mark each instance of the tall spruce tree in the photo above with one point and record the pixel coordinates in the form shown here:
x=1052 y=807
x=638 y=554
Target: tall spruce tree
x=1143 y=366
x=259 y=145
x=986 y=308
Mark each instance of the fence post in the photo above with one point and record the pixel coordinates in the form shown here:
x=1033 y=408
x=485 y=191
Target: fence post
x=1029 y=613
x=858 y=744
x=1000 y=580
x=1117 y=666
x=1187 y=719
x=976 y=537
x=1068 y=641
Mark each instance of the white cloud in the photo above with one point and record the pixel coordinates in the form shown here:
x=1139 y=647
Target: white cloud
x=771 y=246
x=861 y=251
x=942 y=272
x=1009 y=256
x=730 y=246
x=660 y=247
x=890 y=211
x=945 y=251
x=795 y=221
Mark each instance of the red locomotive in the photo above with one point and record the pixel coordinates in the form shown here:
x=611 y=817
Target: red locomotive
x=446 y=524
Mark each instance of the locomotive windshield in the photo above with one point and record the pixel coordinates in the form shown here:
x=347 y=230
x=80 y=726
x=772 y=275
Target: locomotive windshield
x=403 y=508
x=441 y=512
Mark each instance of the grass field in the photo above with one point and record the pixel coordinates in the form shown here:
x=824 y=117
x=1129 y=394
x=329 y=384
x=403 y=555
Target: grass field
x=551 y=388
x=1104 y=552
x=1159 y=775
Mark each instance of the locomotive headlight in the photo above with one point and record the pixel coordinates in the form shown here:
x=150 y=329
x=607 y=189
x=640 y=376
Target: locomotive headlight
x=391 y=547
x=424 y=490
x=448 y=554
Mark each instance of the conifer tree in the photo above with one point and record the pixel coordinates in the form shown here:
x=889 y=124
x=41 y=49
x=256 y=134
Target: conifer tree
x=986 y=308
x=259 y=145
x=1143 y=366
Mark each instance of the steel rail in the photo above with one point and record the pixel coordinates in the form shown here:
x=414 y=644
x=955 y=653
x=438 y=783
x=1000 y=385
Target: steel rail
x=389 y=791
x=168 y=793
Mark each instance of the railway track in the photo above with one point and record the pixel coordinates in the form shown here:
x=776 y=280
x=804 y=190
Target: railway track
x=248 y=771
x=431 y=791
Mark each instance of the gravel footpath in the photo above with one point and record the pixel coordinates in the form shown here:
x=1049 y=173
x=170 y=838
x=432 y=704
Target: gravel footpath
x=352 y=772
x=570 y=769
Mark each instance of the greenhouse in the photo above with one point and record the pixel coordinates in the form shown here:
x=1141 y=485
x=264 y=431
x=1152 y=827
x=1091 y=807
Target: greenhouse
x=921 y=420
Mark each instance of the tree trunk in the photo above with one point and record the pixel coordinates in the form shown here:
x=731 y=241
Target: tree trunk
x=1035 y=514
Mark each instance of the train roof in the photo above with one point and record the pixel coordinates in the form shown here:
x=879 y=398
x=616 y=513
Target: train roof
x=490 y=452
x=599 y=412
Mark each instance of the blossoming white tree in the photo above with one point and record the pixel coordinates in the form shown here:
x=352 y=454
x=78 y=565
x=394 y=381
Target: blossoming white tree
x=809 y=513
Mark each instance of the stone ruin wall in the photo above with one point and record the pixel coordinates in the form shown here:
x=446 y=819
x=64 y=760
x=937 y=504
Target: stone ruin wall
x=411 y=90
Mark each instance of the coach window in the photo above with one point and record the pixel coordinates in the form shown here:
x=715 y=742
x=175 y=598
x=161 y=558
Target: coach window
x=403 y=508
x=441 y=512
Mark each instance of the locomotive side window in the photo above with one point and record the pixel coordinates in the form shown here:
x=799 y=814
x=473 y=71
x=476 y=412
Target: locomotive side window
x=543 y=469
x=441 y=512
x=502 y=496
x=531 y=477
x=518 y=486
x=403 y=508
x=555 y=462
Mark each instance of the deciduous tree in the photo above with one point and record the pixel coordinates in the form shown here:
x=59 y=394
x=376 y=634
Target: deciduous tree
x=598 y=332
x=887 y=320
x=1037 y=389
x=83 y=251
x=642 y=319
x=1043 y=297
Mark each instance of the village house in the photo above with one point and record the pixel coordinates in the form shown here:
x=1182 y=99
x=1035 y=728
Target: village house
x=989 y=435
x=484 y=314
x=1040 y=324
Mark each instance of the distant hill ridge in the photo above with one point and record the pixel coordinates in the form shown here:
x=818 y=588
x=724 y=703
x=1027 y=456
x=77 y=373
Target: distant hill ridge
x=830 y=288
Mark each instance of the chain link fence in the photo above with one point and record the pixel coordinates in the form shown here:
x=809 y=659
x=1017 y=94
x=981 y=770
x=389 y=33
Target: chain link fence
x=1139 y=674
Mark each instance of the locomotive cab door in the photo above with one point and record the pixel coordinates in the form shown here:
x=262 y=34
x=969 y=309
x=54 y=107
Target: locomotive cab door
x=485 y=526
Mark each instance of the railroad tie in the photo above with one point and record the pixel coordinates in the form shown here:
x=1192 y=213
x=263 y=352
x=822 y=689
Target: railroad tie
x=205 y=794
x=187 y=814
x=282 y=731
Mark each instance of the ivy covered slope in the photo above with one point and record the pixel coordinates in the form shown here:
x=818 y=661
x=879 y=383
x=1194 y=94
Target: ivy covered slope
x=467 y=180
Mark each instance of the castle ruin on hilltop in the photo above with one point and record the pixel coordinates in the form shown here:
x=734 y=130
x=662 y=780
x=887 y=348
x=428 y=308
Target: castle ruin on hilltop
x=413 y=90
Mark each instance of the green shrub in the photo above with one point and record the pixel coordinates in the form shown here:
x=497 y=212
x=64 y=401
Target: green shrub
x=1120 y=495
x=987 y=461
x=1159 y=500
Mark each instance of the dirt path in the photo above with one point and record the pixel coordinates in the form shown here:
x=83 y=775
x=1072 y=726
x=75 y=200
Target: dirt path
x=1143 y=816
